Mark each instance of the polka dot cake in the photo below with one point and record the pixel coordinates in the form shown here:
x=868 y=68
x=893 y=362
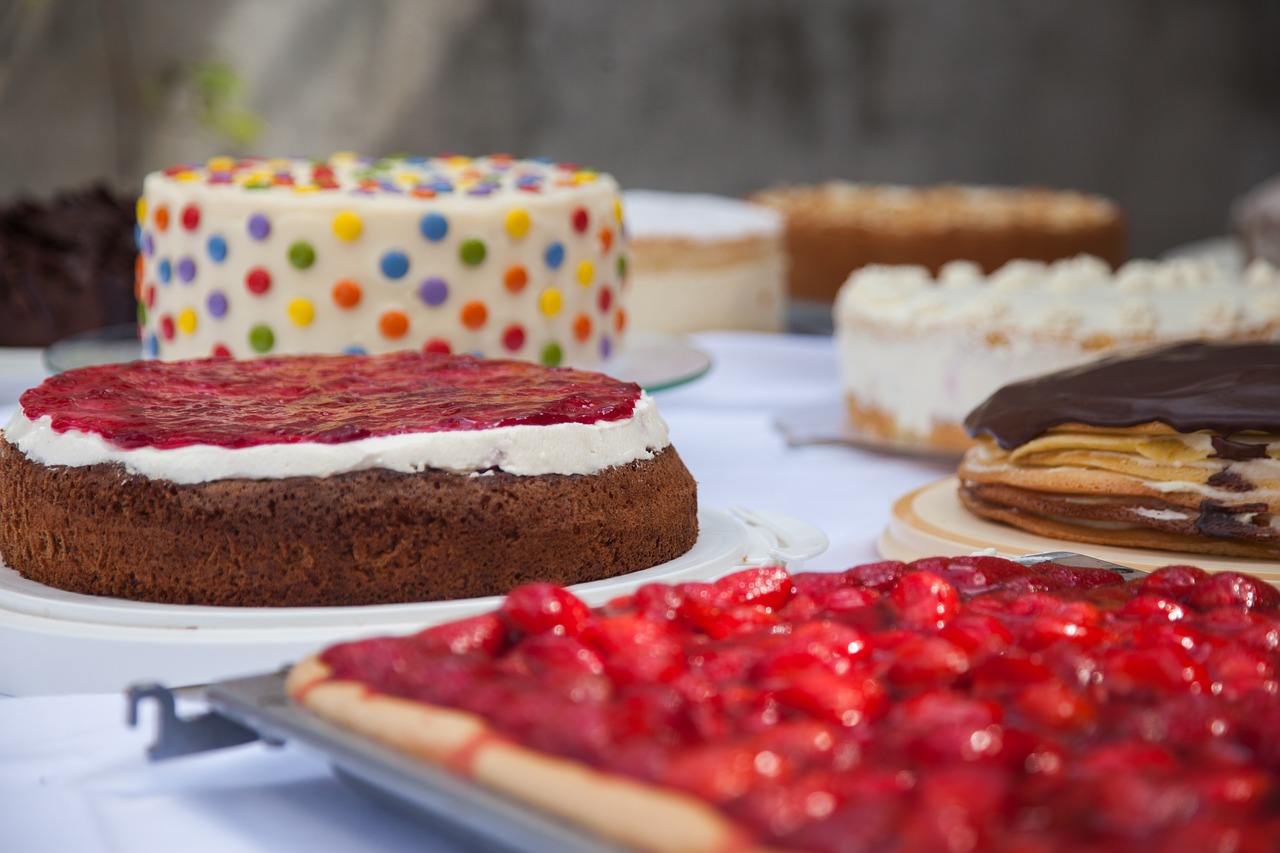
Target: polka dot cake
x=489 y=256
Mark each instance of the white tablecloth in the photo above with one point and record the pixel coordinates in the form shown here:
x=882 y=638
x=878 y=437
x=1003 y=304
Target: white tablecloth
x=74 y=777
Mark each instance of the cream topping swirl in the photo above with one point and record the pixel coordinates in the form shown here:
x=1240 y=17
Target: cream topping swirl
x=531 y=451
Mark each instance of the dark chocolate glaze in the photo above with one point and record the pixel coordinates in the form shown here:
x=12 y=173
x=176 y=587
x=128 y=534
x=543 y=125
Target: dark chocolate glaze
x=1226 y=388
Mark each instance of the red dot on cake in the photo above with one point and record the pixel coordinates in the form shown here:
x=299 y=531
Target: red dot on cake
x=257 y=281
x=190 y=217
x=513 y=338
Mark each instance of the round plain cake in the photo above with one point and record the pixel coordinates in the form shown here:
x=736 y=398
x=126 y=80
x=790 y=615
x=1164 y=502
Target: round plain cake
x=490 y=256
x=918 y=352
x=336 y=480
x=704 y=262
x=837 y=227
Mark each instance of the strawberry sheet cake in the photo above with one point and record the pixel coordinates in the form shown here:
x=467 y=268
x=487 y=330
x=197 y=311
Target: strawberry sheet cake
x=952 y=704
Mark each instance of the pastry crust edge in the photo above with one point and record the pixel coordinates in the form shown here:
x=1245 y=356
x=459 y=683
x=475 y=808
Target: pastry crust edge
x=624 y=810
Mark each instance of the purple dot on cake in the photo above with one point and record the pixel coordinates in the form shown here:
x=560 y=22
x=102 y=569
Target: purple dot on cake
x=433 y=291
x=259 y=226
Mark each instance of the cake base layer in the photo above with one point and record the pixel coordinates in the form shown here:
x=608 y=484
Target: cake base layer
x=947 y=437
x=368 y=537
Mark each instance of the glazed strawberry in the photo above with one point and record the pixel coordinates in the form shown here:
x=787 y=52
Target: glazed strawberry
x=485 y=633
x=878 y=576
x=924 y=601
x=1055 y=705
x=538 y=608
x=848 y=699
x=769 y=586
x=821 y=643
x=927 y=662
x=1231 y=589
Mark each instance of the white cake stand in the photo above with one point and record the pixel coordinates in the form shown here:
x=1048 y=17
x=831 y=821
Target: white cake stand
x=63 y=642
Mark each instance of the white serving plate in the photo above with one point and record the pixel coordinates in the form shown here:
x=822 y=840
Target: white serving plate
x=64 y=642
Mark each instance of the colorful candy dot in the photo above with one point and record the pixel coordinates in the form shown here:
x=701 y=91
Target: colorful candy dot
x=394 y=264
x=261 y=338
x=347 y=225
x=554 y=255
x=617 y=209
x=164 y=271
x=217 y=248
x=580 y=220
x=474 y=314
x=550 y=302
x=148 y=244
x=191 y=217
x=513 y=338
x=257 y=281
x=518 y=222
x=216 y=303
x=347 y=293
x=151 y=346
x=220 y=350
x=354 y=349
x=434 y=226
x=606 y=347
x=162 y=218
x=259 y=226
x=605 y=299
x=620 y=321
x=186 y=270
x=166 y=327
x=433 y=291
x=586 y=272
x=582 y=327
x=393 y=324
x=438 y=345
x=606 y=240
x=301 y=312
x=515 y=278
x=472 y=251
x=552 y=355
x=622 y=266
x=186 y=321
x=140 y=210
x=302 y=254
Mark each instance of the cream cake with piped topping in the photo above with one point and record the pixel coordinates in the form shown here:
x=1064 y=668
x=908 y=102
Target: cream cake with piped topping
x=336 y=480
x=491 y=256
x=918 y=352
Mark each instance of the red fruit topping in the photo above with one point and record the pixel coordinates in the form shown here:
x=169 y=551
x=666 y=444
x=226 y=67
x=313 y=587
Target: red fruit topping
x=538 y=608
x=956 y=704
x=318 y=398
x=925 y=601
x=767 y=587
x=485 y=633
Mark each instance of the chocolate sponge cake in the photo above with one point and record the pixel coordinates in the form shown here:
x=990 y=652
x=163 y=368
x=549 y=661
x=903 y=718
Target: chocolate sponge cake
x=1175 y=448
x=337 y=480
x=66 y=265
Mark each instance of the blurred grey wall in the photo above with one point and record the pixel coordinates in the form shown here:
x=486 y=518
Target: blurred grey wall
x=1172 y=107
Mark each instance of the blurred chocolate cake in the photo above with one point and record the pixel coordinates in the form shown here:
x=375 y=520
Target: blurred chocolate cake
x=66 y=265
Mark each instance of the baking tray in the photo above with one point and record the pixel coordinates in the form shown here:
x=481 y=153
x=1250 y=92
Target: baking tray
x=255 y=708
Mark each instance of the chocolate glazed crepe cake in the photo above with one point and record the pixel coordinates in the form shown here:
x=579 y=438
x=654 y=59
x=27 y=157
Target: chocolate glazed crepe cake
x=1176 y=448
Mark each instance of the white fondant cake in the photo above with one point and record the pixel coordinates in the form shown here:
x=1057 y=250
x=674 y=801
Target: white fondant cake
x=704 y=262
x=492 y=256
x=917 y=353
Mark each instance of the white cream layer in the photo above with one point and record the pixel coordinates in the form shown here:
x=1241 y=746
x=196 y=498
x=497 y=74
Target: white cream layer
x=523 y=450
